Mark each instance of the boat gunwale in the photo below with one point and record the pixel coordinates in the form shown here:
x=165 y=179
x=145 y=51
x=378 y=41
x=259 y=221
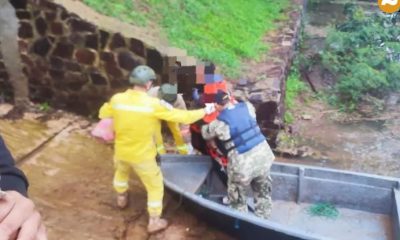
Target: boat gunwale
x=293 y=171
x=238 y=215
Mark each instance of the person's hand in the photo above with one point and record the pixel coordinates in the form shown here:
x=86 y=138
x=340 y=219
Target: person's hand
x=19 y=219
x=210 y=108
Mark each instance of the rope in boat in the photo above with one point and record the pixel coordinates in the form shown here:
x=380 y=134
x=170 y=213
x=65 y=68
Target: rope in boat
x=327 y=210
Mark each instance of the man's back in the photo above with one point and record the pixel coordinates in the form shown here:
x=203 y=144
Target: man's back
x=250 y=157
x=136 y=119
x=133 y=114
x=222 y=131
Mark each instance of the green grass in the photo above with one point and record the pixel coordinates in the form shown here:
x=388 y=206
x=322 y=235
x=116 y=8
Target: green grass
x=294 y=86
x=225 y=32
x=124 y=10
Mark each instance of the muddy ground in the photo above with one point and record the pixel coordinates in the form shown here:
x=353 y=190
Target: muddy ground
x=70 y=177
x=324 y=136
x=71 y=173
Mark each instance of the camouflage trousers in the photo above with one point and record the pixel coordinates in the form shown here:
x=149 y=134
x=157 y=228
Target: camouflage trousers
x=251 y=170
x=261 y=185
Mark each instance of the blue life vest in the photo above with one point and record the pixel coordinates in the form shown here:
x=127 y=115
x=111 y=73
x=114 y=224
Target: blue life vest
x=244 y=130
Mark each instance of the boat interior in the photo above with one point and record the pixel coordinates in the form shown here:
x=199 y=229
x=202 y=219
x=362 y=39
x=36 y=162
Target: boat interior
x=367 y=205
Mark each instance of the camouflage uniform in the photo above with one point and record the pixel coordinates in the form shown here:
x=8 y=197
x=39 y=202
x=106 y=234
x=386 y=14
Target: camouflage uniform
x=250 y=168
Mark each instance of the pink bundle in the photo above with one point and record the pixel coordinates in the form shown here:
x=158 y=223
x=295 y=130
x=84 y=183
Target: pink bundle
x=104 y=130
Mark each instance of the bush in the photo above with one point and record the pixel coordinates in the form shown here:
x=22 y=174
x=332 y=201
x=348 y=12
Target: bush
x=364 y=54
x=361 y=80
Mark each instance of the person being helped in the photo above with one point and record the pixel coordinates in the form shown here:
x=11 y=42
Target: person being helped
x=169 y=93
x=249 y=155
x=19 y=219
x=137 y=117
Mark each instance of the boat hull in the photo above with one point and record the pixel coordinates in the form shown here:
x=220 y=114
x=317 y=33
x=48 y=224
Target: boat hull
x=368 y=204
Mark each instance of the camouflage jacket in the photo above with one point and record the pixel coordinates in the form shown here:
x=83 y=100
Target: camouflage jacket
x=260 y=156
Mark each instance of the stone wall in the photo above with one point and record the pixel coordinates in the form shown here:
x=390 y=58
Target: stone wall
x=5 y=86
x=267 y=92
x=74 y=64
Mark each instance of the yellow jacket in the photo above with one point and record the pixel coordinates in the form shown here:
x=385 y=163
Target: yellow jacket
x=174 y=127
x=136 y=122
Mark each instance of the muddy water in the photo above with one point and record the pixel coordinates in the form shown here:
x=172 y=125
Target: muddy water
x=363 y=146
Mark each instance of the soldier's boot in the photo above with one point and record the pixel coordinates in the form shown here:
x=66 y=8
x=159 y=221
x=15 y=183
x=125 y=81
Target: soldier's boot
x=156 y=224
x=264 y=209
x=225 y=200
x=122 y=200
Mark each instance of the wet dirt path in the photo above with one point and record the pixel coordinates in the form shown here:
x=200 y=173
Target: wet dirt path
x=70 y=178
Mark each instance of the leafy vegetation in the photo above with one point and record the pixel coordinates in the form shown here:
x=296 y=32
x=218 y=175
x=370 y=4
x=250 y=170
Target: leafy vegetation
x=44 y=107
x=294 y=86
x=364 y=54
x=225 y=32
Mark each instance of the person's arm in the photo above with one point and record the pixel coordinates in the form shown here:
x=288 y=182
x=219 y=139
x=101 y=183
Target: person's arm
x=159 y=140
x=19 y=219
x=214 y=129
x=167 y=112
x=11 y=177
x=208 y=131
x=176 y=134
x=176 y=129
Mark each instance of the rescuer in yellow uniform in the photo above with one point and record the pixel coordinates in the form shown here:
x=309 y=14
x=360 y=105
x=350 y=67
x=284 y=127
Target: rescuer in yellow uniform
x=181 y=134
x=136 y=119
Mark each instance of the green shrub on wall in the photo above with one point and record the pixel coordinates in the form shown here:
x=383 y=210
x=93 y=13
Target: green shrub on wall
x=294 y=86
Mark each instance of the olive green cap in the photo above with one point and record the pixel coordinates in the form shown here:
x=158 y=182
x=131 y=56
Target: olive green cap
x=168 y=92
x=141 y=75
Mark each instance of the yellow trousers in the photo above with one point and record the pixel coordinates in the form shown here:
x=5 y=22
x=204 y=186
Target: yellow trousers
x=151 y=177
